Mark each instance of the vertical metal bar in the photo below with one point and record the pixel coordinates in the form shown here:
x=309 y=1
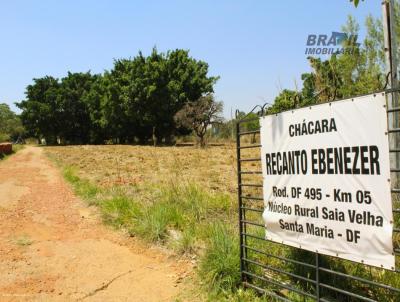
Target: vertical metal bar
x=317 y=294
x=390 y=42
x=241 y=218
x=391 y=68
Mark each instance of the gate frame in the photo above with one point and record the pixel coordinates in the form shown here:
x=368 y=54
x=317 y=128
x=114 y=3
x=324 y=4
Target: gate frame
x=247 y=275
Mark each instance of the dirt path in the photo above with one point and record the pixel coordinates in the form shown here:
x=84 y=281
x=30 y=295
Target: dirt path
x=53 y=248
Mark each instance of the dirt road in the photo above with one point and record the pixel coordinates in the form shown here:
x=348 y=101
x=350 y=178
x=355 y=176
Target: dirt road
x=54 y=248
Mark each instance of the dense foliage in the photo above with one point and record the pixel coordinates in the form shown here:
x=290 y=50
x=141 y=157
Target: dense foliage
x=135 y=101
x=10 y=125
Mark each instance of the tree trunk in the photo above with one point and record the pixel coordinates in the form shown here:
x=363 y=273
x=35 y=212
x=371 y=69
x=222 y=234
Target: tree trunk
x=154 y=137
x=202 y=141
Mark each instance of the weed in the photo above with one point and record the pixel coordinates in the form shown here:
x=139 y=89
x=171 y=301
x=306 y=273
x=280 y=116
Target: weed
x=185 y=242
x=120 y=211
x=155 y=221
x=83 y=188
x=219 y=267
x=24 y=241
x=240 y=295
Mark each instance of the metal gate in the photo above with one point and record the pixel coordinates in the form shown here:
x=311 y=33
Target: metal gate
x=285 y=273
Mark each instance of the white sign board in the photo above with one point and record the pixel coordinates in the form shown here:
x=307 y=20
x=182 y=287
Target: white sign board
x=326 y=174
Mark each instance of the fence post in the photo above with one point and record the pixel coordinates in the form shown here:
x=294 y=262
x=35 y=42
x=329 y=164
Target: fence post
x=317 y=294
x=239 y=169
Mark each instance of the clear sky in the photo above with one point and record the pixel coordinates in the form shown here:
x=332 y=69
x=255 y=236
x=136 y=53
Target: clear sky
x=256 y=47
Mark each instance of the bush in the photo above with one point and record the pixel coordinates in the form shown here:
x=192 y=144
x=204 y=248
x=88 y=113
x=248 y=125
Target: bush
x=4 y=137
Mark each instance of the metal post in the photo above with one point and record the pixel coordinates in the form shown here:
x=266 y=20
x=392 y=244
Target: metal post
x=233 y=129
x=390 y=42
x=240 y=201
x=391 y=69
x=317 y=277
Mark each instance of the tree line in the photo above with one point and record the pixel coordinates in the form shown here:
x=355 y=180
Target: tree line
x=157 y=97
x=136 y=101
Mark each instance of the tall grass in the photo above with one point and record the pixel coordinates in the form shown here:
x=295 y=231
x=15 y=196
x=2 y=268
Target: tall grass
x=182 y=216
x=120 y=211
x=156 y=220
x=220 y=263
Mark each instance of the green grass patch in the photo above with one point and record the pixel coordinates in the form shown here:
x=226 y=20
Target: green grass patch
x=219 y=266
x=120 y=211
x=82 y=187
x=156 y=220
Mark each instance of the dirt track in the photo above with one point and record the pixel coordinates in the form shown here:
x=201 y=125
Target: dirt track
x=54 y=248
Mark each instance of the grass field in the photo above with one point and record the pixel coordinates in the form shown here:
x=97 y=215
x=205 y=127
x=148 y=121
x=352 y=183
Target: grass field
x=184 y=198
x=181 y=197
x=214 y=168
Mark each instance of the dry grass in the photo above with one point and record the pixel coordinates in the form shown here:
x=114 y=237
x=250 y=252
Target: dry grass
x=213 y=168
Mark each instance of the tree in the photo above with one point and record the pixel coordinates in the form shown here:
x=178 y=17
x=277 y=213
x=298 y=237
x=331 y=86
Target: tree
x=199 y=115
x=57 y=110
x=10 y=124
x=286 y=100
x=41 y=113
x=74 y=105
x=145 y=93
x=94 y=100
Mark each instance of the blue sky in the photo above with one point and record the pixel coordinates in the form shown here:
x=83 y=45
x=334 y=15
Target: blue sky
x=256 y=47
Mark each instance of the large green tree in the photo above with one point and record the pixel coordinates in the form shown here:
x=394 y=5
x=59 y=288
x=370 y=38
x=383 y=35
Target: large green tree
x=60 y=110
x=41 y=110
x=146 y=92
x=76 y=120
